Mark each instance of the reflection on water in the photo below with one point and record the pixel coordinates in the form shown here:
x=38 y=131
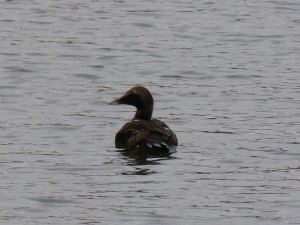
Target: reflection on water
x=140 y=157
x=139 y=171
x=225 y=78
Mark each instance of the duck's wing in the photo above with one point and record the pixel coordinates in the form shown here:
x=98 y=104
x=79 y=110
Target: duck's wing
x=128 y=131
x=139 y=133
x=155 y=134
x=162 y=133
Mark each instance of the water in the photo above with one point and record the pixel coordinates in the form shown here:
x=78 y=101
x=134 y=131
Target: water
x=225 y=77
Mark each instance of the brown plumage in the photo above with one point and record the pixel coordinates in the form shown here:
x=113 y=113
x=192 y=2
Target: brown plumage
x=143 y=131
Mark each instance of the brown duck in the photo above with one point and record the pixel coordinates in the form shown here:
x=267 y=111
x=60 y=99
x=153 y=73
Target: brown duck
x=143 y=131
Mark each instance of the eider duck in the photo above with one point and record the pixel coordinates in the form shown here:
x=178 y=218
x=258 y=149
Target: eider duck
x=143 y=131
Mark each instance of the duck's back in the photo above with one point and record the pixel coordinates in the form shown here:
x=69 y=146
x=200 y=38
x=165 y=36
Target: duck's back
x=152 y=134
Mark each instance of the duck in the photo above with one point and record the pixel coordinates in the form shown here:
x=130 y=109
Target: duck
x=144 y=131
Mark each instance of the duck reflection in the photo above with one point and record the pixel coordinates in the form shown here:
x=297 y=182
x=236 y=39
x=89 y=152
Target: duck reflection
x=141 y=156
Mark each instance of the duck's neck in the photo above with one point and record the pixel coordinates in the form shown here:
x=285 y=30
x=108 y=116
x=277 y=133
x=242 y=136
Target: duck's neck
x=144 y=114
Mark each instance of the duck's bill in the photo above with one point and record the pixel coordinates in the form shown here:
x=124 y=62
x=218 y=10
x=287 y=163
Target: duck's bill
x=114 y=102
x=120 y=100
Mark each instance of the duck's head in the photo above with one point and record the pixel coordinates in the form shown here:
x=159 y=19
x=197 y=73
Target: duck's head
x=139 y=97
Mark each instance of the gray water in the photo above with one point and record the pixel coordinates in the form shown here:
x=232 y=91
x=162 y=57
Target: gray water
x=224 y=76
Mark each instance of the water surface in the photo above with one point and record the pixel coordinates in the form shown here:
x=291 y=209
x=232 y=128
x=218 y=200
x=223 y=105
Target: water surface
x=225 y=78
